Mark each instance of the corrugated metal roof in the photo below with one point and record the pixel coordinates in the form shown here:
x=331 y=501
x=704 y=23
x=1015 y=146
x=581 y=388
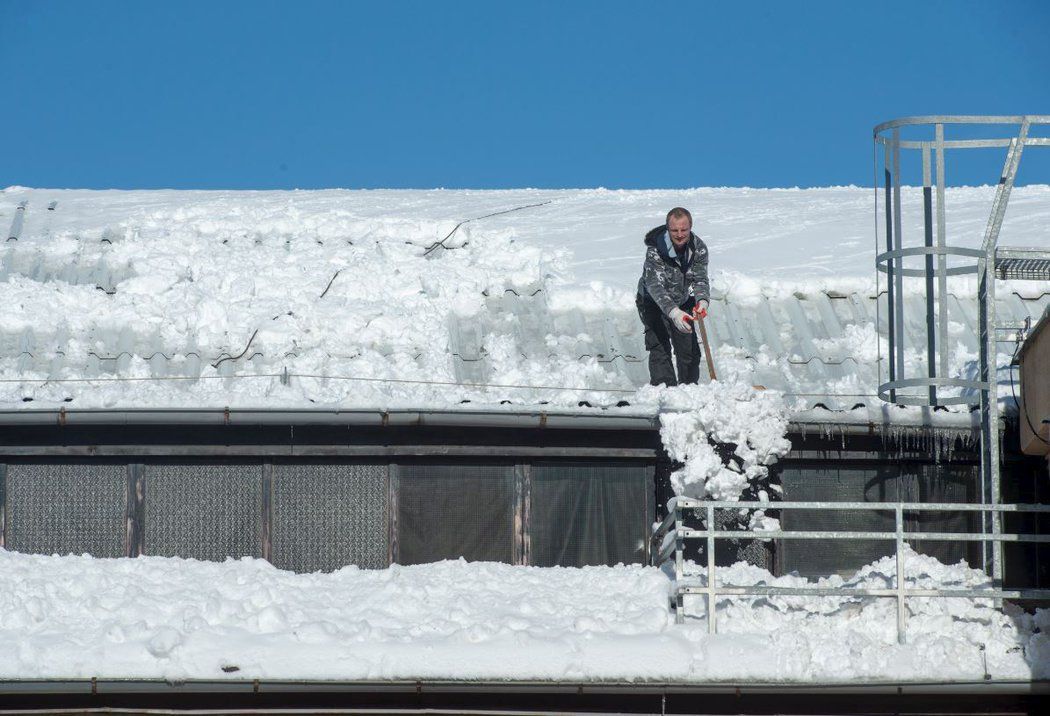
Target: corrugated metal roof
x=796 y=342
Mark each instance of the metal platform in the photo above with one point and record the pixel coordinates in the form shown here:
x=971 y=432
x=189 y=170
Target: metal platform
x=1022 y=264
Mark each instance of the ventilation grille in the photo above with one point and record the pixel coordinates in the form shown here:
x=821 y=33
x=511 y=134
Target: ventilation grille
x=203 y=511
x=328 y=516
x=66 y=509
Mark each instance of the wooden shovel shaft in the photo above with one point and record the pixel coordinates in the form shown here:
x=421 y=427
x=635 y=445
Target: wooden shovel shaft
x=707 y=347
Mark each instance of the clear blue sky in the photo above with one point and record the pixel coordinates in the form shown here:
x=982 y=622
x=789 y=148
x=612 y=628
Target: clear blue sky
x=496 y=94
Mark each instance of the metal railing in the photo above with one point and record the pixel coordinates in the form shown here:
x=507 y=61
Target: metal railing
x=669 y=539
x=936 y=387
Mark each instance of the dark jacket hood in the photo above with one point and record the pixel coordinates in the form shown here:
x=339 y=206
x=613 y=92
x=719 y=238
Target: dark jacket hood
x=654 y=238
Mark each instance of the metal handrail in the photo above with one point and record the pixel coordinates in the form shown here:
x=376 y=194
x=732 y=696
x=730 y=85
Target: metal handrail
x=670 y=535
x=962 y=119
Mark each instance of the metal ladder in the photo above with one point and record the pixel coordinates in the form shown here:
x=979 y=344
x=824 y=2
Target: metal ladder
x=989 y=263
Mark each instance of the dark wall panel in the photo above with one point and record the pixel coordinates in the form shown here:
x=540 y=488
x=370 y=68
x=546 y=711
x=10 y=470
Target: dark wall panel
x=817 y=482
x=206 y=512
x=63 y=509
x=451 y=511
x=589 y=514
x=328 y=516
x=883 y=482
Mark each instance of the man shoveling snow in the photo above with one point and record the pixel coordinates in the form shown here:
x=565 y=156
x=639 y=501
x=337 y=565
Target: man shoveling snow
x=672 y=291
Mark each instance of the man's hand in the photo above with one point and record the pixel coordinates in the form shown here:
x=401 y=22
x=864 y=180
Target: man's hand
x=680 y=319
x=700 y=309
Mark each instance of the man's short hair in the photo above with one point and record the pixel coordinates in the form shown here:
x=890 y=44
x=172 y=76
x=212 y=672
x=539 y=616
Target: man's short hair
x=677 y=213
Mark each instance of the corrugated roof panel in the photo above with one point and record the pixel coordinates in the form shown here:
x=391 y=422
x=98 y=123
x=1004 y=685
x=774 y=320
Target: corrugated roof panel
x=612 y=334
x=466 y=337
x=714 y=332
x=804 y=347
x=768 y=328
x=862 y=308
x=832 y=326
x=736 y=331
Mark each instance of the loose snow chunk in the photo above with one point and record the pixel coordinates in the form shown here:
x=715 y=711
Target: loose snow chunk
x=695 y=417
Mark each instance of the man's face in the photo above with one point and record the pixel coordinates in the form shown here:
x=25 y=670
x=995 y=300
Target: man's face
x=679 y=229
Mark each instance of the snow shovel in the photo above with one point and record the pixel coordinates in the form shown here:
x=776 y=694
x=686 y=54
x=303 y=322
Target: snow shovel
x=698 y=318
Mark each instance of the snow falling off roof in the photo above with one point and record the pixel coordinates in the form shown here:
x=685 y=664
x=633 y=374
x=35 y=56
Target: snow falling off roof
x=328 y=299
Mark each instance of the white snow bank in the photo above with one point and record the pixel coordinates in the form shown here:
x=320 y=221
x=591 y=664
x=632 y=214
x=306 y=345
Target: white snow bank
x=854 y=638
x=152 y=617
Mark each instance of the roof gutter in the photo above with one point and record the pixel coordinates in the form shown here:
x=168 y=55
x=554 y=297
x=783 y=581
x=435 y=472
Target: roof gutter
x=375 y=417
x=361 y=417
x=140 y=686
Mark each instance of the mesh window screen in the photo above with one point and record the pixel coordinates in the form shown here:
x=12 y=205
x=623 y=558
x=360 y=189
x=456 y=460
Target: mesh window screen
x=452 y=511
x=328 y=516
x=877 y=483
x=67 y=509
x=812 y=558
x=943 y=483
x=206 y=512
x=583 y=514
x=730 y=551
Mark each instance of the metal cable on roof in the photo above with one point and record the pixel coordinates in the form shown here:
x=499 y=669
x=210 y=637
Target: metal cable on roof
x=316 y=376
x=1023 y=409
x=476 y=218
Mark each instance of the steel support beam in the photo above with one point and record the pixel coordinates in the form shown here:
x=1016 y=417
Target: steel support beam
x=942 y=260
x=931 y=327
x=990 y=448
x=898 y=287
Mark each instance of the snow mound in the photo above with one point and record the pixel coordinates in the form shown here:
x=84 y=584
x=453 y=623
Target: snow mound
x=154 y=617
x=850 y=637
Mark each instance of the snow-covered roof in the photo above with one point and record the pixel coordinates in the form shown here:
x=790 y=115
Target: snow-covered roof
x=332 y=300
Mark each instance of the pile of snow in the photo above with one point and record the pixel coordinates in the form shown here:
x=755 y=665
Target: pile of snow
x=154 y=617
x=696 y=418
x=855 y=638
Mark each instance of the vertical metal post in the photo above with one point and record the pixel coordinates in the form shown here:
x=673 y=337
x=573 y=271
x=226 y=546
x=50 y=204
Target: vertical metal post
x=989 y=397
x=647 y=521
x=902 y=614
x=890 y=300
x=712 y=615
x=942 y=260
x=266 y=512
x=898 y=325
x=931 y=326
x=679 y=565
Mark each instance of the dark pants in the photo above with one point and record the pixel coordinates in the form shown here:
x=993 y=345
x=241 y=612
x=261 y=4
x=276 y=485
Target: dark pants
x=660 y=337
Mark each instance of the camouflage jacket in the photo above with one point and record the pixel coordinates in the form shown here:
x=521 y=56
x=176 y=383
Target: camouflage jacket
x=669 y=280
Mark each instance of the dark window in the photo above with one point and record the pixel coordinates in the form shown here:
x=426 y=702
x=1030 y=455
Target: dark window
x=451 y=511
x=885 y=482
x=584 y=514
